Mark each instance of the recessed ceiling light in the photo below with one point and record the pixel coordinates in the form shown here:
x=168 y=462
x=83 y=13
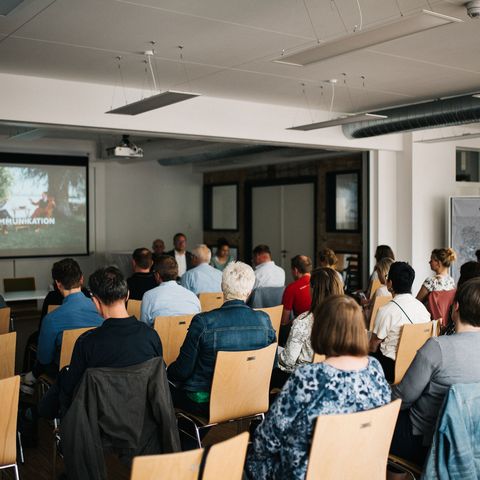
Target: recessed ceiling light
x=7 y=6
x=404 y=26
x=361 y=117
x=152 y=103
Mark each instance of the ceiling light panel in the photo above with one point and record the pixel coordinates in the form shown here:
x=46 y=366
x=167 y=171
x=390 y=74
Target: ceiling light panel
x=152 y=103
x=7 y=6
x=403 y=27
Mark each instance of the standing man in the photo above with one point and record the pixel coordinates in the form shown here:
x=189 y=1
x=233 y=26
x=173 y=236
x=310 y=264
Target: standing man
x=267 y=274
x=296 y=297
x=202 y=278
x=142 y=279
x=183 y=257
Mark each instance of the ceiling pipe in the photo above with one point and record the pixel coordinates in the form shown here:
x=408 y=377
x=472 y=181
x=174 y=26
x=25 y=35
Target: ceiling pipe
x=436 y=113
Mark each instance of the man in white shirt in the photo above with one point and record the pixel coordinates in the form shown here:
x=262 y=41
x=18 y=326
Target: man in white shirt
x=266 y=272
x=203 y=278
x=183 y=257
x=403 y=309
x=169 y=298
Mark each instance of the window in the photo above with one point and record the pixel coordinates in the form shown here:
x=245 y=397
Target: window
x=467 y=166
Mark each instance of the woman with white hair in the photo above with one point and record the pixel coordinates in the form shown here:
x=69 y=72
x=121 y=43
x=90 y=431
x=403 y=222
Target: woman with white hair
x=232 y=327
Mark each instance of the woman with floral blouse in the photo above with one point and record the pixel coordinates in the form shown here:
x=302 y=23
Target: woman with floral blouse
x=347 y=381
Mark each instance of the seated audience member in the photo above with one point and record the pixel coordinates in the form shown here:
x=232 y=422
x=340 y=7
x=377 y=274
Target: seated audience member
x=2 y=302
x=440 y=262
x=142 y=279
x=158 y=248
x=222 y=256
x=76 y=311
x=296 y=297
x=441 y=362
x=169 y=298
x=232 y=327
x=298 y=349
x=183 y=257
x=468 y=271
x=267 y=274
x=328 y=259
x=121 y=341
x=382 y=268
x=203 y=278
x=402 y=309
x=347 y=381
x=382 y=251
x=477 y=254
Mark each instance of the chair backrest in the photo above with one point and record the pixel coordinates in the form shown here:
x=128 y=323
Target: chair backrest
x=376 y=284
x=68 y=343
x=275 y=314
x=18 y=284
x=412 y=338
x=353 y=445
x=439 y=303
x=170 y=466
x=172 y=332
x=5 y=320
x=377 y=304
x=317 y=358
x=210 y=301
x=134 y=307
x=223 y=457
x=7 y=354
x=241 y=382
x=9 y=391
x=51 y=308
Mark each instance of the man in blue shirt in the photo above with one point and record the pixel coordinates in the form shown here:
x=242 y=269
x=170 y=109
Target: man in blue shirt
x=203 y=278
x=169 y=298
x=76 y=311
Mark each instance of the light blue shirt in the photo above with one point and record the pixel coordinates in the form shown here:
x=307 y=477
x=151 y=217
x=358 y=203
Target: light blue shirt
x=203 y=279
x=168 y=299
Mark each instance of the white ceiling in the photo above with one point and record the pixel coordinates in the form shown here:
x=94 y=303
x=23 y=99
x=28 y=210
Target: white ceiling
x=229 y=46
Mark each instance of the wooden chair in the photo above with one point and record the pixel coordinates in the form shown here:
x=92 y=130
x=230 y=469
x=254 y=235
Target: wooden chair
x=9 y=391
x=210 y=301
x=18 y=284
x=5 y=314
x=377 y=304
x=275 y=314
x=68 y=343
x=317 y=358
x=172 y=332
x=240 y=388
x=353 y=445
x=51 y=308
x=7 y=354
x=134 y=308
x=376 y=284
x=227 y=456
x=412 y=338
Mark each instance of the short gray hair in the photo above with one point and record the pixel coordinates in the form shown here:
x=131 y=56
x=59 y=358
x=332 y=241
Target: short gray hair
x=203 y=253
x=238 y=280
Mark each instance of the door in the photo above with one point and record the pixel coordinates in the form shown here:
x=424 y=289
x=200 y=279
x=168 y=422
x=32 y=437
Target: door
x=283 y=217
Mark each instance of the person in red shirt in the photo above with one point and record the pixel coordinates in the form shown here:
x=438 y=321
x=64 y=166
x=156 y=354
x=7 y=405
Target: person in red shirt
x=296 y=296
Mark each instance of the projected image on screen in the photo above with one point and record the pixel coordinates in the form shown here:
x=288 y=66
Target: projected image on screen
x=43 y=209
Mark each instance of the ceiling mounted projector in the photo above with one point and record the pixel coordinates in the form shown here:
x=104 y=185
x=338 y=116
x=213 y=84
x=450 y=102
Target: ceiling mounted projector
x=473 y=9
x=125 y=149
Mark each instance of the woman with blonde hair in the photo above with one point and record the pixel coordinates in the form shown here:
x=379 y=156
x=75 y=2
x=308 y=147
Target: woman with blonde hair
x=440 y=262
x=382 y=268
x=328 y=259
x=347 y=381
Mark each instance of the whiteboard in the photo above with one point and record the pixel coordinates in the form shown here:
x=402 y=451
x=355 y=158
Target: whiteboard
x=464 y=230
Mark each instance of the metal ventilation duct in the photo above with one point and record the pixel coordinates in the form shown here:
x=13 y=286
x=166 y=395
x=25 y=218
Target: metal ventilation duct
x=437 y=113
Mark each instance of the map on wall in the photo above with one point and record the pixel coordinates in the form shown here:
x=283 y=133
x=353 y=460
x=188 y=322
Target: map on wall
x=464 y=230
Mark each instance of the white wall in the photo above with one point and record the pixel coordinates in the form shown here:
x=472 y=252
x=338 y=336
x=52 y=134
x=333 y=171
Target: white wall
x=149 y=201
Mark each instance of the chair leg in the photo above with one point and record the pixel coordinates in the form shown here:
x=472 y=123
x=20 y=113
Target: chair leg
x=17 y=477
x=20 y=448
